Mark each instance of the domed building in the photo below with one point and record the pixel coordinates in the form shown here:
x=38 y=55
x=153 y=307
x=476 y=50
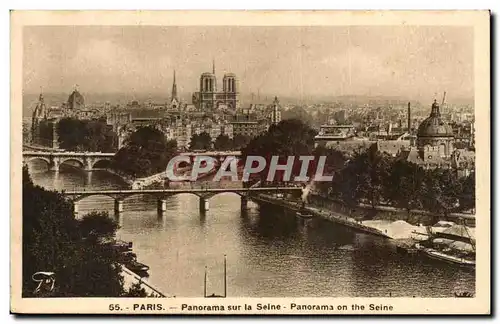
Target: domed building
x=434 y=136
x=75 y=100
x=435 y=146
x=75 y=107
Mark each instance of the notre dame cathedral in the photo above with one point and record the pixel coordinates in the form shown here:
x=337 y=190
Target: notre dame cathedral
x=209 y=98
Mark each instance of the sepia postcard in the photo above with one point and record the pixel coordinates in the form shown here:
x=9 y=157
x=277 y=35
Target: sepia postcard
x=250 y=162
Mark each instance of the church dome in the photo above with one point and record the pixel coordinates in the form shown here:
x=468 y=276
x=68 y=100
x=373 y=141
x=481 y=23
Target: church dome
x=434 y=126
x=75 y=100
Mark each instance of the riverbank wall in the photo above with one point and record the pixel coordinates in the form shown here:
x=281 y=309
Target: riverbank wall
x=364 y=211
x=332 y=216
x=130 y=278
x=127 y=179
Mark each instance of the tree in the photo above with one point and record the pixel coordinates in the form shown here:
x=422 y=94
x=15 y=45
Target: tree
x=404 y=186
x=201 y=141
x=72 y=134
x=335 y=162
x=468 y=197
x=240 y=141
x=289 y=137
x=26 y=132
x=98 y=136
x=372 y=168
x=136 y=291
x=363 y=179
x=95 y=225
x=54 y=241
x=85 y=135
x=345 y=186
x=298 y=113
x=223 y=143
x=145 y=152
x=441 y=191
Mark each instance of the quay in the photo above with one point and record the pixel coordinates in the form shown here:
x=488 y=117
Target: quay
x=130 y=278
x=330 y=215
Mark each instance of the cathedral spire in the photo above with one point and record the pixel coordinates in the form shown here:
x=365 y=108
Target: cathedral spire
x=213 y=66
x=174 y=89
x=40 y=97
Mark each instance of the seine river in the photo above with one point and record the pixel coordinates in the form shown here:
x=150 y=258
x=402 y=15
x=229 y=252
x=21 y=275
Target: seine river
x=269 y=253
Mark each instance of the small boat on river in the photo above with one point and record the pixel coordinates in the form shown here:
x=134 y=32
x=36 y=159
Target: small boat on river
x=304 y=213
x=449 y=247
x=449 y=258
x=122 y=246
x=129 y=260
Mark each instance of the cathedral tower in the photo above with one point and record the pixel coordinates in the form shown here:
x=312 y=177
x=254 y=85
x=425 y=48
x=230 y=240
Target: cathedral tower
x=174 y=89
x=208 y=98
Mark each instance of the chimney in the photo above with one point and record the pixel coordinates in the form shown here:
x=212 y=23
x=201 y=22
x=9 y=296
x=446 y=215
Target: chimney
x=409 y=118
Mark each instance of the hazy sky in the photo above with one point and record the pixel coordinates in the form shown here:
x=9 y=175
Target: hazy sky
x=412 y=62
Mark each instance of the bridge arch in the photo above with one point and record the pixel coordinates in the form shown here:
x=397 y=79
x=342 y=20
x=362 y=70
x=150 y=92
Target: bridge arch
x=232 y=193
x=148 y=194
x=75 y=159
x=83 y=196
x=35 y=158
x=101 y=163
x=185 y=193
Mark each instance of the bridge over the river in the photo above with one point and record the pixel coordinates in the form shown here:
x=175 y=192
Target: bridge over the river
x=162 y=194
x=88 y=161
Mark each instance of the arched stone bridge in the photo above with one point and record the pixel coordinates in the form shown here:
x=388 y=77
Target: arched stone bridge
x=162 y=194
x=88 y=161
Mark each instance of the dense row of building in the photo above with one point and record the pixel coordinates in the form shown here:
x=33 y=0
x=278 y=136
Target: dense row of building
x=211 y=111
x=432 y=145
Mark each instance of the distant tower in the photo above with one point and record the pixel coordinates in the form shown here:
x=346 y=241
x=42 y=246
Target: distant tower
x=208 y=89
x=275 y=111
x=230 y=90
x=174 y=89
x=39 y=114
x=409 y=119
x=174 y=101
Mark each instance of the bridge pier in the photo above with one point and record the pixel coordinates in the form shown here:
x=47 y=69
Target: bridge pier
x=161 y=206
x=204 y=205
x=87 y=164
x=75 y=208
x=88 y=178
x=118 y=206
x=54 y=165
x=244 y=202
